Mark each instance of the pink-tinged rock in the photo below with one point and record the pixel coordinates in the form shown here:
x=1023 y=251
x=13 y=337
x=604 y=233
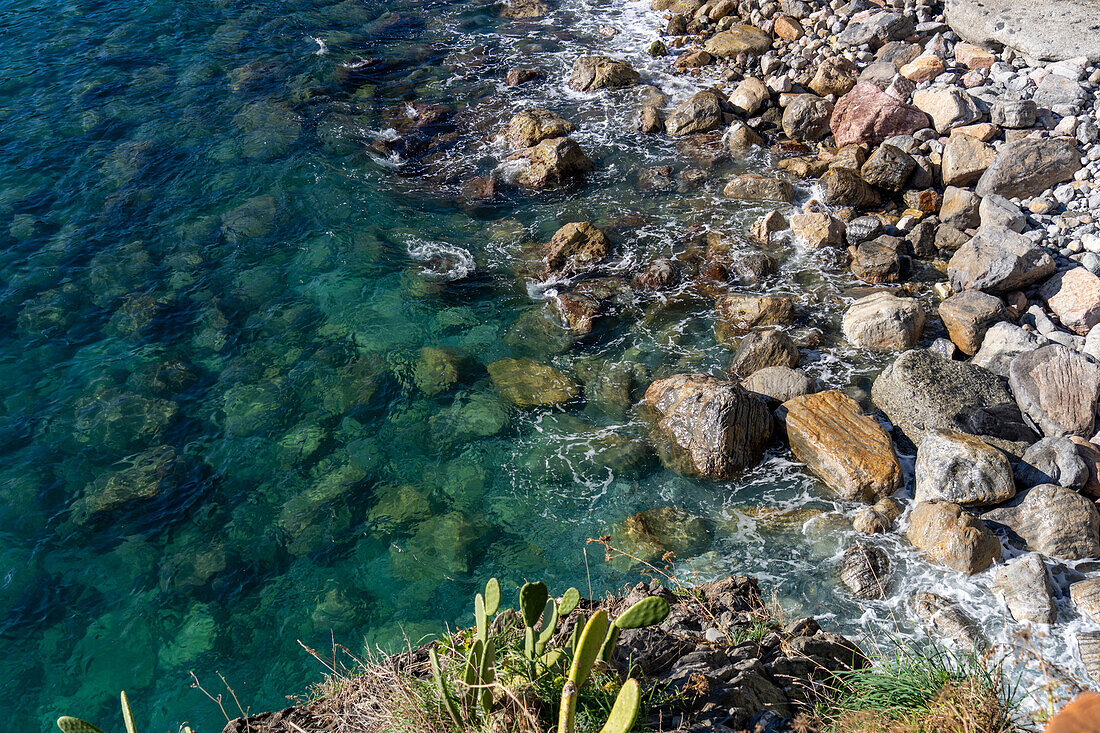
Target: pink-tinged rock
x=1074 y=296
x=869 y=115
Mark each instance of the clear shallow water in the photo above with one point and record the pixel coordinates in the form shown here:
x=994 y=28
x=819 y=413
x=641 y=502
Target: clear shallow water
x=220 y=432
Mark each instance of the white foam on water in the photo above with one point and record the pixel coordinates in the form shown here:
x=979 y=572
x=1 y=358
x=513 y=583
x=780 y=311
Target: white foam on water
x=445 y=262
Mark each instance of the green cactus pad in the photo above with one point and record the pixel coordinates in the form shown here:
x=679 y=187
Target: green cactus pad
x=481 y=619
x=646 y=612
x=532 y=601
x=549 y=626
x=569 y=601
x=75 y=725
x=588 y=648
x=609 y=643
x=487 y=675
x=492 y=597
x=441 y=688
x=127 y=713
x=625 y=709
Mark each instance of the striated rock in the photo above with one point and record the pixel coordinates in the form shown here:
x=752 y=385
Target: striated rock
x=575 y=249
x=969 y=315
x=532 y=126
x=846 y=449
x=950 y=536
x=888 y=168
x=1089 y=453
x=961 y=469
x=1029 y=166
x=817 y=230
x=722 y=427
x=844 y=187
x=921 y=391
x=528 y=383
x=1074 y=296
x=948 y=108
x=779 y=383
x=950 y=620
x=599 y=72
x=762 y=349
x=869 y=115
x=835 y=75
x=737 y=40
x=1002 y=343
x=882 y=260
x=750 y=95
x=876 y=30
x=961 y=208
x=965 y=159
x=997 y=261
x=1086 y=597
x=884 y=322
x=1057 y=388
x=1088 y=648
x=1053 y=520
x=554 y=162
x=1014 y=114
x=701 y=113
x=1052 y=461
x=745 y=312
x=806 y=117
x=865 y=569
x=997 y=211
x=1026 y=590
x=753 y=187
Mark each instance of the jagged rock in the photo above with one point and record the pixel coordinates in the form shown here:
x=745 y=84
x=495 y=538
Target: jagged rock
x=1052 y=461
x=835 y=75
x=865 y=569
x=1025 y=588
x=532 y=126
x=876 y=30
x=576 y=248
x=997 y=261
x=722 y=427
x=960 y=208
x=969 y=315
x=753 y=187
x=921 y=391
x=524 y=9
x=737 y=40
x=554 y=162
x=1053 y=520
x=848 y=450
x=888 y=168
x=965 y=159
x=844 y=187
x=1086 y=597
x=1028 y=167
x=1002 y=343
x=701 y=113
x=1074 y=296
x=762 y=349
x=961 y=469
x=528 y=383
x=948 y=108
x=1057 y=388
x=866 y=114
x=997 y=211
x=599 y=72
x=884 y=322
x=950 y=536
x=779 y=383
x=767 y=225
x=950 y=620
x=806 y=117
x=746 y=312
x=817 y=230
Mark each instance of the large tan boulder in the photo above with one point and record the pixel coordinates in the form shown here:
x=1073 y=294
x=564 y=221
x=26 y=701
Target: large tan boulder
x=950 y=536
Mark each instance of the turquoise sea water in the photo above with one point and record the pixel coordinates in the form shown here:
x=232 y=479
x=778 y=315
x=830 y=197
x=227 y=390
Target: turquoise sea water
x=221 y=431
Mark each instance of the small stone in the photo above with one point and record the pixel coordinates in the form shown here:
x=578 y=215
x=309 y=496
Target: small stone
x=767 y=225
x=835 y=75
x=737 y=40
x=998 y=212
x=599 y=72
x=806 y=117
x=763 y=349
x=870 y=521
x=866 y=571
x=921 y=69
x=779 y=383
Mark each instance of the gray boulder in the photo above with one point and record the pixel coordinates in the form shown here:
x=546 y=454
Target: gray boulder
x=997 y=261
x=1003 y=342
x=779 y=383
x=997 y=211
x=1028 y=167
x=1053 y=520
x=701 y=113
x=761 y=349
x=1053 y=30
x=806 y=117
x=948 y=618
x=884 y=322
x=1025 y=588
x=1052 y=461
x=961 y=469
x=1057 y=388
x=876 y=30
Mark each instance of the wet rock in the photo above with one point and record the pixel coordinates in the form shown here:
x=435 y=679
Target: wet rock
x=950 y=620
x=575 y=249
x=749 y=96
x=737 y=40
x=884 y=322
x=532 y=126
x=846 y=449
x=528 y=383
x=761 y=349
x=1057 y=388
x=817 y=230
x=835 y=75
x=741 y=138
x=1002 y=343
x=650 y=121
x=439 y=547
x=948 y=108
x=599 y=72
x=969 y=315
x=997 y=261
x=869 y=520
x=869 y=115
x=1053 y=520
x=753 y=187
x=650 y=534
x=865 y=569
x=844 y=187
x=1027 y=167
x=1026 y=590
x=469 y=417
x=888 y=168
x=921 y=391
x=1086 y=597
x=950 y=536
x=658 y=275
x=1088 y=648
x=656 y=178
x=554 y=162
x=518 y=75
x=701 y=113
x=1052 y=461
x=767 y=225
x=779 y=383
x=882 y=260
x=115 y=420
x=806 y=117
x=746 y=312
x=722 y=427
x=524 y=9
x=863 y=228
x=578 y=312
x=147 y=475
x=1074 y=296
x=961 y=469
x=965 y=159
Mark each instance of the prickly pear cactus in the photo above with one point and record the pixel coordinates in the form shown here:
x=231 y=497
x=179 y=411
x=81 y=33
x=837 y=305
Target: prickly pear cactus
x=481 y=618
x=646 y=612
x=532 y=602
x=625 y=709
x=588 y=648
x=569 y=601
x=549 y=626
x=127 y=713
x=492 y=597
x=440 y=688
x=75 y=725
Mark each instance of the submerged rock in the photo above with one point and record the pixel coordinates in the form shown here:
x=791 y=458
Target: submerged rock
x=1025 y=588
x=115 y=420
x=961 y=469
x=529 y=383
x=650 y=534
x=146 y=476
x=950 y=536
x=865 y=569
x=722 y=427
x=1053 y=520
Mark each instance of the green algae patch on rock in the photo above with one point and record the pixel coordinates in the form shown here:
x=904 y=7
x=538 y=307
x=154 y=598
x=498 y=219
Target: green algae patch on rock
x=147 y=475
x=115 y=420
x=529 y=383
x=471 y=416
x=648 y=535
x=436 y=370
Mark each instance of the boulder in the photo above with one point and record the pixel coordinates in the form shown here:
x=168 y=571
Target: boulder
x=997 y=211
x=1088 y=648
x=965 y=159
x=1074 y=296
x=806 y=117
x=1053 y=30
x=767 y=225
x=922 y=69
x=1053 y=520
x=753 y=187
x=876 y=30
x=146 y=476
x=599 y=72
x=576 y=248
x=866 y=114
x=865 y=569
x=818 y=229
x=749 y=96
x=701 y=113
x=762 y=349
x=948 y=618
x=997 y=261
x=882 y=260
x=921 y=391
x=846 y=449
x=529 y=383
x=737 y=40
x=973 y=57
x=869 y=520
x=1052 y=461
x=1089 y=452
x=1003 y=342
x=845 y=187
x=884 y=322
x=554 y=162
x=960 y=208
x=835 y=75
x=1057 y=90
x=1014 y=114
x=532 y=126
x=1086 y=597
x=779 y=383
x=969 y=315
x=1057 y=388
x=1027 y=167
x=888 y=168
x=949 y=536
x=746 y=312
x=722 y=427
x=1026 y=590
x=948 y=108
x=961 y=469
